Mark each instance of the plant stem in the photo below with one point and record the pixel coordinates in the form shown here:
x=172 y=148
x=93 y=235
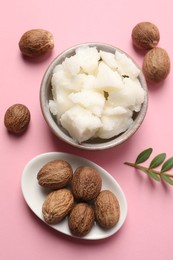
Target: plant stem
x=145 y=169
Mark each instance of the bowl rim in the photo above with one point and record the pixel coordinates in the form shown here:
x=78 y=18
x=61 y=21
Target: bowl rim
x=48 y=117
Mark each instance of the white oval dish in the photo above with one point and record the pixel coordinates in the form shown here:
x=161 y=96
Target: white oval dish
x=35 y=195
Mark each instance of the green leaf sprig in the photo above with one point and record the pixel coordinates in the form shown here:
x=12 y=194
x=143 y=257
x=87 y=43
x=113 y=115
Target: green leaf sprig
x=159 y=160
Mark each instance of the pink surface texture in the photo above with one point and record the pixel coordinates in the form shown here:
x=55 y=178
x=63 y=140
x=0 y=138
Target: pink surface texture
x=148 y=230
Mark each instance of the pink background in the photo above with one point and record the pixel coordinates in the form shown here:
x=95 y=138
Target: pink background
x=148 y=230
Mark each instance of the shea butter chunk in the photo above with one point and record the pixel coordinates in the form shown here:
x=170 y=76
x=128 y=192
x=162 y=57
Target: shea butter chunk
x=88 y=58
x=126 y=66
x=80 y=123
x=107 y=78
x=89 y=99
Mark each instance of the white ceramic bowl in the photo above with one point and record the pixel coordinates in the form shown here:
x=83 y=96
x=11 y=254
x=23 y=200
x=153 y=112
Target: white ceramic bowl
x=60 y=132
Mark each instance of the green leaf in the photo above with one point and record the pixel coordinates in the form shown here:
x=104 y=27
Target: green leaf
x=145 y=171
x=158 y=160
x=153 y=175
x=167 y=165
x=143 y=156
x=166 y=178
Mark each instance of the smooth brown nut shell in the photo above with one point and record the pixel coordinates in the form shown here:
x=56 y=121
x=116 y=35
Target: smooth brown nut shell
x=36 y=42
x=17 y=118
x=81 y=219
x=107 y=209
x=55 y=174
x=86 y=183
x=156 y=65
x=145 y=35
x=57 y=205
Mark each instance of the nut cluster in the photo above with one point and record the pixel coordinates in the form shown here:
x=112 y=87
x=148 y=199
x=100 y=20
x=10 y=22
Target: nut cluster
x=156 y=63
x=33 y=43
x=77 y=195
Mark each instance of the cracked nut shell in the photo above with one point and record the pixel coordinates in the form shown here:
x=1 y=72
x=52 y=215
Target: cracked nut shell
x=86 y=183
x=57 y=205
x=107 y=209
x=36 y=42
x=17 y=118
x=81 y=219
x=55 y=174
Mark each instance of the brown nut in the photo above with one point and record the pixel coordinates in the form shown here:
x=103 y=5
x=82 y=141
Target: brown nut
x=156 y=65
x=86 y=183
x=107 y=209
x=57 y=205
x=145 y=35
x=55 y=174
x=81 y=219
x=17 y=118
x=36 y=42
